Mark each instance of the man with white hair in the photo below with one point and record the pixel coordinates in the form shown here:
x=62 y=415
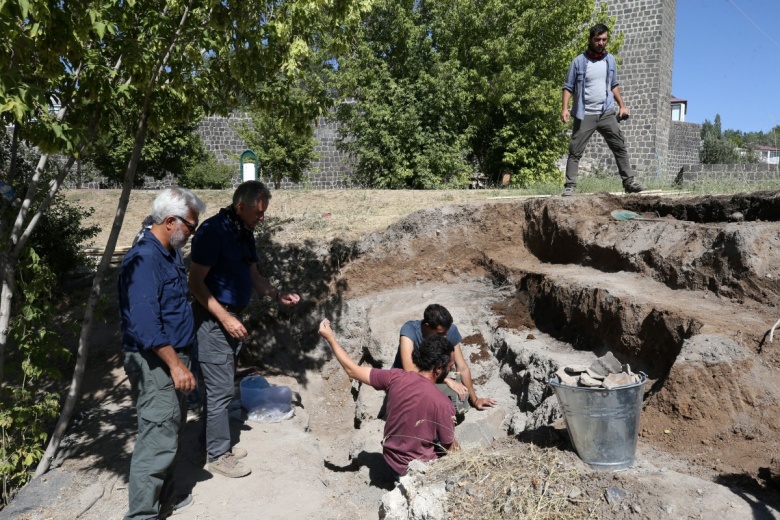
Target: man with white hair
x=157 y=335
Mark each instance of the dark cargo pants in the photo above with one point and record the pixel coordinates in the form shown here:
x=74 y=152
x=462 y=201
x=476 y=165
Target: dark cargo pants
x=607 y=125
x=160 y=411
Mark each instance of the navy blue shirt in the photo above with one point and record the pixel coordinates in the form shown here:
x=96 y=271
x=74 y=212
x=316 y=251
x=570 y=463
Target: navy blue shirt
x=229 y=255
x=413 y=330
x=153 y=297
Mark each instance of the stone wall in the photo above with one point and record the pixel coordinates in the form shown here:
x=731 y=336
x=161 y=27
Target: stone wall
x=684 y=142
x=756 y=172
x=331 y=170
x=645 y=75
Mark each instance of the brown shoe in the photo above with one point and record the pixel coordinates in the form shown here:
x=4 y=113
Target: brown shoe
x=228 y=466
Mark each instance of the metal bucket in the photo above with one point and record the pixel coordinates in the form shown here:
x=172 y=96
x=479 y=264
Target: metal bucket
x=602 y=423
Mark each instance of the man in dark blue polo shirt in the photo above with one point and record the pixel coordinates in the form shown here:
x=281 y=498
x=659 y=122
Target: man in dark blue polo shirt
x=157 y=333
x=223 y=275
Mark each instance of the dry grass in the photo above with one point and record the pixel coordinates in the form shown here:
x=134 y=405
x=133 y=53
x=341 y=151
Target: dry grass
x=300 y=214
x=508 y=479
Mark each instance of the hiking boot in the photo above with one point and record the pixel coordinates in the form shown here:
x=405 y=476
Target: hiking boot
x=227 y=465
x=568 y=191
x=181 y=502
x=632 y=186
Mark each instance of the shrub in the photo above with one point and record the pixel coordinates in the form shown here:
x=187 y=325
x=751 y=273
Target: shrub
x=59 y=236
x=26 y=407
x=209 y=175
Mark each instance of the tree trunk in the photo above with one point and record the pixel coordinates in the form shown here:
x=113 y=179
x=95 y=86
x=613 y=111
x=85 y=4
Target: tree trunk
x=89 y=313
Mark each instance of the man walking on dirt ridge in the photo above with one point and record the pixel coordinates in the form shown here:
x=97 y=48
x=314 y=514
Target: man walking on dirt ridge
x=437 y=320
x=157 y=335
x=223 y=275
x=592 y=82
x=420 y=422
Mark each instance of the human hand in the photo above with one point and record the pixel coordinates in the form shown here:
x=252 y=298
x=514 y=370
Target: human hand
x=183 y=380
x=565 y=116
x=623 y=113
x=286 y=298
x=458 y=388
x=484 y=402
x=325 y=331
x=234 y=327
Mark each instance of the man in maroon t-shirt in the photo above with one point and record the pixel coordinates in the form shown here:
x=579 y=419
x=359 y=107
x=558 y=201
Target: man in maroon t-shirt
x=419 y=417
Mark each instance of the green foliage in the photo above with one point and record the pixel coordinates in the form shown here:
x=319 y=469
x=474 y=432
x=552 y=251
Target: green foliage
x=59 y=236
x=208 y=175
x=443 y=88
x=170 y=149
x=26 y=408
x=718 y=147
x=283 y=149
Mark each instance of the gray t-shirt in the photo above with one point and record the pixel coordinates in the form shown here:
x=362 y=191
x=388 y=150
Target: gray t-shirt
x=595 y=86
x=413 y=330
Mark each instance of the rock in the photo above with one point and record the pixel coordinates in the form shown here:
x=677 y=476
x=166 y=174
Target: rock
x=586 y=380
x=598 y=368
x=575 y=369
x=575 y=492
x=393 y=506
x=428 y=504
x=595 y=375
x=565 y=378
x=418 y=466
x=614 y=495
x=736 y=217
x=617 y=380
x=610 y=362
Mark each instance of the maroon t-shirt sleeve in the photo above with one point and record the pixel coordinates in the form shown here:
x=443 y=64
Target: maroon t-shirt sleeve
x=379 y=379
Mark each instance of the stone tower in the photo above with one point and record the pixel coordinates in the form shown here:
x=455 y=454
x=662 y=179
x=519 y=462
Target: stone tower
x=645 y=76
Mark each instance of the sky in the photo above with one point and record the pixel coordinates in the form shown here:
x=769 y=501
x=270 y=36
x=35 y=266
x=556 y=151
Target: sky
x=727 y=62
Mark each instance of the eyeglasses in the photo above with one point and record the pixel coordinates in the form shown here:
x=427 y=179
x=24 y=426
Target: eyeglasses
x=192 y=227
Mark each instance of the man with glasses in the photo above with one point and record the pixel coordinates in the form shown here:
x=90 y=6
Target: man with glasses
x=157 y=335
x=223 y=275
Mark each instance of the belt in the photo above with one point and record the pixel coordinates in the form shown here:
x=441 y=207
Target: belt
x=232 y=308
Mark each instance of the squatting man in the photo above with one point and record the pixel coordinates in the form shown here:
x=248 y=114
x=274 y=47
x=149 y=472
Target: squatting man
x=437 y=320
x=420 y=420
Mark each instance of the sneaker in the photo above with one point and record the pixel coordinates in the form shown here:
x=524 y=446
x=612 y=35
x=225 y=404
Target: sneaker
x=181 y=503
x=238 y=452
x=632 y=186
x=568 y=191
x=227 y=465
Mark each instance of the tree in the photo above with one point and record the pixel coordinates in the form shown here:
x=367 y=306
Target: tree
x=170 y=149
x=437 y=89
x=284 y=144
x=724 y=147
x=167 y=59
